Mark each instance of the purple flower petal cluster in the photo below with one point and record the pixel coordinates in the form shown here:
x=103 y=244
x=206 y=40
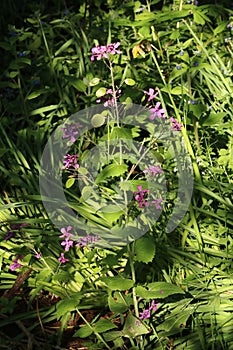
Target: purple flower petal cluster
x=151 y=94
x=16 y=264
x=99 y=52
x=69 y=241
x=175 y=124
x=11 y=234
x=153 y=170
x=157 y=202
x=71 y=161
x=157 y=111
x=147 y=312
x=62 y=259
x=142 y=202
x=67 y=235
x=84 y=241
x=140 y=197
x=69 y=132
x=108 y=98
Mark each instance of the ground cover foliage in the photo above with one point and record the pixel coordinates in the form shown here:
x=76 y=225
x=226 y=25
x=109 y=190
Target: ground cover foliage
x=166 y=290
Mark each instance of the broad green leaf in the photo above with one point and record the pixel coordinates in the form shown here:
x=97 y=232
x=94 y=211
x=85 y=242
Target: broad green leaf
x=174 y=324
x=104 y=325
x=145 y=249
x=118 y=304
x=178 y=90
x=83 y=332
x=70 y=182
x=111 y=171
x=101 y=92
x=94 y=81
x=158 y=290
x=97 y=120
x=130 y=82
x=134 y=327
x=66 y=305
x=214 y=118
x=197 y=109
x=118 y=283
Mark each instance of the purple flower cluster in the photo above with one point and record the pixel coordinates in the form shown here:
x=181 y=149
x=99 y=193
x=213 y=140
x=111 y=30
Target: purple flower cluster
x=69 y=242
x=100 y=52
x=175 y=124
x=69 y=132
x=151 y=94
x=84 y=241
x=147 y=312
x=140 y=197
x=157 y=202
x=108 y=98
x=71 y=161
x=16 y=227
x=16 y=264
x=157 y=111
x=142 y=202
x=153 y=170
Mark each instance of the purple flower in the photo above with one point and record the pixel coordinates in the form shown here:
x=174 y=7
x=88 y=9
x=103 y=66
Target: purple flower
x=22 y=54
x=15 y=264
x=153 y=170
x=84 y=241
x=151 y=94
x=195 y=64
x=62 y=259
x=181 y=53
x=175 y=125
x=65 y=232
x=144 y=314
x=100 y=52
x=139 y=197
x=67 y=243
x=178 y=67
x=109 y=100
x=18 y=226
x=38 y=255
x=9 y=235
x=157 y=202
x=69 y=132
x=157 y=112
x=154 y=306
x=70 y=161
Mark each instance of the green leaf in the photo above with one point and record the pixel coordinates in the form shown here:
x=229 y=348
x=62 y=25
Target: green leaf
x=158 y=290
x=101 y=92
x=118 y=283
x=214 y=119
x=67 y=305
x=174 y=323
x=103 y=325
x=70 y=182
x=134 y=327
x=94 y=81
x=78 y=84
x=98 y=120
x=144 y=249
x=130 y=82
x=197 y=109
x=83 y=332
x=118 y=303
x=179 y=90
x=111 y=171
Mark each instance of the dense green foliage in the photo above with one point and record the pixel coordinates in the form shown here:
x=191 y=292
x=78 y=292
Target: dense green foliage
x=185 y=53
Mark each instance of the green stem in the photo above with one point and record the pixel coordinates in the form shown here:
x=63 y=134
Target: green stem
x=92 y=328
